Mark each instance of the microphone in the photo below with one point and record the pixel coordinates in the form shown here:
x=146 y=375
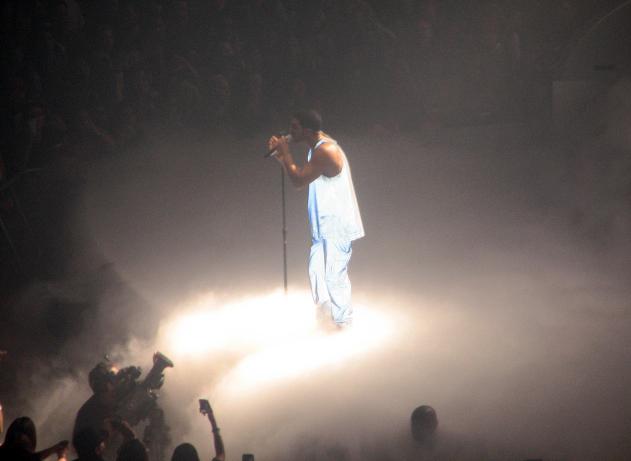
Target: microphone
x=273 y=152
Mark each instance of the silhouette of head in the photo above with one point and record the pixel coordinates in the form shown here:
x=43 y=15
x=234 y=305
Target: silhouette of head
x=185 y=452
x=132 y=450
x=424 y=423
x=21 y=433
x=101 y=378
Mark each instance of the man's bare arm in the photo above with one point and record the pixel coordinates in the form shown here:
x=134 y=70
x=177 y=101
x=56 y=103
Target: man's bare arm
x=325 y=160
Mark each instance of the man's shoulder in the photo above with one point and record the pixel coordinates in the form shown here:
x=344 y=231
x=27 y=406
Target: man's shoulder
x=328 y=144
x=90 y=404
x=328 y=150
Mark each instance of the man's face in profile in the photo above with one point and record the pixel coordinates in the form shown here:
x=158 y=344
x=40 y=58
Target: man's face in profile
x=296 y=130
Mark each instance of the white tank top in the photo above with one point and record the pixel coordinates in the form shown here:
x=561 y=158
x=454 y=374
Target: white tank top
x=332 y=204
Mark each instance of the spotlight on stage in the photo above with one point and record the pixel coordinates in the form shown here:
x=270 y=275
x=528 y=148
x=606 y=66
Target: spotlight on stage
x=272 y=336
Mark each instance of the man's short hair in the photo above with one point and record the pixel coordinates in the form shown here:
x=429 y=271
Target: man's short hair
x=309 y=119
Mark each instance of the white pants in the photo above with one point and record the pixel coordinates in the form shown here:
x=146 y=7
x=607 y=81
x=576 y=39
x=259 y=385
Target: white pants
x=328 y=274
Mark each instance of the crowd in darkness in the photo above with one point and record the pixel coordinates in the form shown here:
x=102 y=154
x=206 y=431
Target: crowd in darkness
x=100 y=430
x=103 y=428
x=90 y=76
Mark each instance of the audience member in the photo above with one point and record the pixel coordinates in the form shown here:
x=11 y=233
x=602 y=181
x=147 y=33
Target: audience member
x=132 y=450
x=429 y=442
x=96 y=410
x=20 y=442
x=187 y=452
x=424 y=422
x=91 y=443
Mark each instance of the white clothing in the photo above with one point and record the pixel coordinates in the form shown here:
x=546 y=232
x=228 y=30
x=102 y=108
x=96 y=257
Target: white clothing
x=335 y=222
x=332 y=204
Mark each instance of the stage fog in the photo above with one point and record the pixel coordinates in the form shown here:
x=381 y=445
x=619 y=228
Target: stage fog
x=475 y=289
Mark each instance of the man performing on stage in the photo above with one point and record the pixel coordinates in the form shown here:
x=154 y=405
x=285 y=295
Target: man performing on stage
x=333 y=212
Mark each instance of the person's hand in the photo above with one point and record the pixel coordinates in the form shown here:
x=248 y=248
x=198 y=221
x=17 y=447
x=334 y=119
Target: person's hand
x=272 y=143
x=206 y=410
x=61 y=449
x=280 y=145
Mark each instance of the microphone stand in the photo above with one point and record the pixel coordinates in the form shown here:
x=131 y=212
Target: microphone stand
x=282 y=188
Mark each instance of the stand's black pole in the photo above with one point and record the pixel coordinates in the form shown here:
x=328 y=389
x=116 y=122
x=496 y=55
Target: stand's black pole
x=282 y=188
